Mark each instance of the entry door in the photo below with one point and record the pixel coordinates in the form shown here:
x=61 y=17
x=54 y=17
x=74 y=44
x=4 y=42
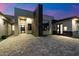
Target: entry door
x=61 y=28
x=22 y=28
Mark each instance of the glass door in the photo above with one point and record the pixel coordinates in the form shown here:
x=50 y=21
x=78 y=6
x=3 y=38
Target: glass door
x=61 y=28
x=22 y=28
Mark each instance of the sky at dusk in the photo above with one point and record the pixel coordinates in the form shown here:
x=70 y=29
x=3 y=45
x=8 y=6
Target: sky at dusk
x=58 y=10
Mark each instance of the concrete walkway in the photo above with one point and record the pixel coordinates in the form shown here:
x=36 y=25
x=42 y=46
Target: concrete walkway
x=28 y=45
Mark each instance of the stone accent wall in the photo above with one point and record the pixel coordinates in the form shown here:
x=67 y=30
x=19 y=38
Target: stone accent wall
x=37 y=22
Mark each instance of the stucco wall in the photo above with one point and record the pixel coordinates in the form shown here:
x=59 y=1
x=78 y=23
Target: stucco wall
x=2 y=27
x=9 y=29
x=74 y=27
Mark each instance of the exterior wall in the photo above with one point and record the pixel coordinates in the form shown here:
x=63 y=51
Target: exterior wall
x=75 y=28
x=37 y=22
x=9 y=29
x=5 y=26
x=2 y=27
x=16 y=26
x=66 y=23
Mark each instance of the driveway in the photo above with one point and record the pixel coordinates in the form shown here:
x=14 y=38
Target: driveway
x=28 y=45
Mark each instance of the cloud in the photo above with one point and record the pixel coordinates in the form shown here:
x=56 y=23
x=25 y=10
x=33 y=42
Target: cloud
x=2 y=7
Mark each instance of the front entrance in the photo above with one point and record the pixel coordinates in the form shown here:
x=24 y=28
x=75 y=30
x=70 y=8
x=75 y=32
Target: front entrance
x=22 y=28
x=25 y=25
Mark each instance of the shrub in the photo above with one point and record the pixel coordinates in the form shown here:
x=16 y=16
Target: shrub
x=3 y=37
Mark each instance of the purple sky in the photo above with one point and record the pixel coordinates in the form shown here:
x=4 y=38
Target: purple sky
x=58 y=10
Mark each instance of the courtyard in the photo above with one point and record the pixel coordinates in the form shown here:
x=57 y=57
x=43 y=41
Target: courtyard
x=28 y=45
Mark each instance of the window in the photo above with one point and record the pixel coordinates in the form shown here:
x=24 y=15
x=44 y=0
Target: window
x=57 y=28
x=29 y=27
x=61 y=28
x=45 y=26
x=65 y=28
x=22 y=28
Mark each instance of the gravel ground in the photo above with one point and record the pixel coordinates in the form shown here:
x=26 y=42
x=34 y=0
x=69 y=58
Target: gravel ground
x=28 y=45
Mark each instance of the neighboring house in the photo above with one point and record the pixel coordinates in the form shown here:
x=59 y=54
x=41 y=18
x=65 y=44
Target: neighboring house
x=68 y=26
x=5 y=25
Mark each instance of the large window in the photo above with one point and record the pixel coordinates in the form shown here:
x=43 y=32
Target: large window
x=57 y=28
x=29 y=27
x=45 y=27
x=65 y=28
x=78 y=25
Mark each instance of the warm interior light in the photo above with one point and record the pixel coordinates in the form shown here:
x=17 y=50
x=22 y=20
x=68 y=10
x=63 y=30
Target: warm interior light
x=65 y=28
x=22 y=17
x=13 y=27
x=29 y=20
x=58 y=26
x=75 y=19
x=61 y=29
x=1 y=19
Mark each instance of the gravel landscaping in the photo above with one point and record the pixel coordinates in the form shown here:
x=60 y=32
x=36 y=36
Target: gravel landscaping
x=28 y=45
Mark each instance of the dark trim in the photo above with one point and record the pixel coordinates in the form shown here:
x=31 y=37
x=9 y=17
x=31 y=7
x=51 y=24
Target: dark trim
x=69 y=18
x=40 y=19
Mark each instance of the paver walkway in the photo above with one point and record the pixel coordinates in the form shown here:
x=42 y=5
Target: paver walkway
x=28 y=45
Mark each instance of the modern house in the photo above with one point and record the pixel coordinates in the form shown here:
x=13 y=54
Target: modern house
x=67 y=26
x=28 y=22
x=34 y=22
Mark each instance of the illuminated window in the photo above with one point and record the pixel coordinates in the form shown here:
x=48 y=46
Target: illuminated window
x=57 y=30
x=61 y=28
x=57 y=26
x=29 y=20
x=13 y=27
x=65 y=28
